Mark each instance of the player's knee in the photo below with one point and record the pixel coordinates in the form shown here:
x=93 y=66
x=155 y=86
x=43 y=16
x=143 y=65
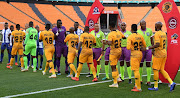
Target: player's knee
x=80 y=63
x=128 y=64
x=148 y=64
x=49 y=61
x=57 y=58
x=33 y=56
x=41 y=56
x=2 y=51
x=141 y=64
x=106 y=62
x=122 y=63
x=21 y=56
x=12 y=56
x=98 y=62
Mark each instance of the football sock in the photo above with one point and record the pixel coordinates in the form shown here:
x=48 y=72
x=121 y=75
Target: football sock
x=58 y=64
x=9 y=57
x=79 y=70
x=22 y=61
x=129 y=72
x=71 y=71
x=122 y=72
x=11 y=61
x=140 y=72
x=29 y=58
x=34 y=63
x=25 y=61
x=148 y=69
x=52 y=67
x=137 y=79
x=66 y=64
x=93 y=70
x=166 y=76
x=72 y=67
x=117 y=72
x=107 y=70
x=41 y=61
x=46 y=67
x=114 y=75
x=16 y=57
x=98 y=69
x=156 y=77
x=2 y=55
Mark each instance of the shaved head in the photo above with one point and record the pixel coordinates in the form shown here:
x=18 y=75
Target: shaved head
x=71 y=30
x=143 y=24
x=123 y=26
x=158 y=26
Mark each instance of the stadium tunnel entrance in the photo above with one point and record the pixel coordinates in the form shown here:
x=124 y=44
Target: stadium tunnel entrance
x=106 y=18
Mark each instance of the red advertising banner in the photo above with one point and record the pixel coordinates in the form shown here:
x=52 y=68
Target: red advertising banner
x=94 y=14
x=171 y=17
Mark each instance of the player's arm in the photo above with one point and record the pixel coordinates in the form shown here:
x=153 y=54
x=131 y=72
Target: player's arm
x=41 y=37
x=109 y=39
x=156 y=42
x=66 y=39
x=129 y=43
x=26 y=39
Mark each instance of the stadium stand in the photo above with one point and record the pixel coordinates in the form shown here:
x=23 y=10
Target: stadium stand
x=14 y=15
x=26 y=9
x=153 y=17
x=2 y=20
x=133 y=15
x=54 y=14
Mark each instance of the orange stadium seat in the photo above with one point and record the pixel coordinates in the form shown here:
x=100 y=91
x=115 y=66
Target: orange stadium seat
x=69 y=10
x=85 y=10
x=153 y=17
x=14 y=15
x=25 y=8
x=133 y=15
x=52 y=14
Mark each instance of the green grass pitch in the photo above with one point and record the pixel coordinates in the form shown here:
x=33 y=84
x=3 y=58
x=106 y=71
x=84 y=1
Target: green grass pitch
x=13 y=82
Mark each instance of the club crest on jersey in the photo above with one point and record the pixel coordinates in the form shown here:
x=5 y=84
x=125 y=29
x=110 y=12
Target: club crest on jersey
x=126 y=35
x=167 y=7
x=96 y=10
x=147 y=33
x=174 y=38
x=172 y=23
x=98 y=35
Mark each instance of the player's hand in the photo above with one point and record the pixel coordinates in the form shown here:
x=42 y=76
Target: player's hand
x=0 y=42
x=57 y=34
x=152 y=52
x=143 y=49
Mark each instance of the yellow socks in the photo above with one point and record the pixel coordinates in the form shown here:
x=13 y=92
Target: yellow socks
x=156 y=77
x=22 y=62
x=79 y=70
x=166 y=76
x=11 y=61
x=114 y=75
x=46 y=67
x=72 y=67
x=52 y=67
x=93 y=70
x=137 y=79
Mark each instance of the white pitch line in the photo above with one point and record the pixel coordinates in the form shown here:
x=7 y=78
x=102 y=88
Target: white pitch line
x=61 y=88
x=55 y=89
x=177 y=84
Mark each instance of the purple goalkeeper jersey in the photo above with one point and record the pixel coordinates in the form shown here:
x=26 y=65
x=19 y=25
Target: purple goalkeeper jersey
x=60 y=38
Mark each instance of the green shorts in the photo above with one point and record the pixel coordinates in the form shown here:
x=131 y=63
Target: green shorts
x=30 y=48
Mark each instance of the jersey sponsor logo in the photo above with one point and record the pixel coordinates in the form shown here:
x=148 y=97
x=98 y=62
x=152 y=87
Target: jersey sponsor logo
x=91 y=24
x=147 y=33
x=96 y=10
x=174 y=38
x=172 y=23
x=98 y=35
x=167 y=7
